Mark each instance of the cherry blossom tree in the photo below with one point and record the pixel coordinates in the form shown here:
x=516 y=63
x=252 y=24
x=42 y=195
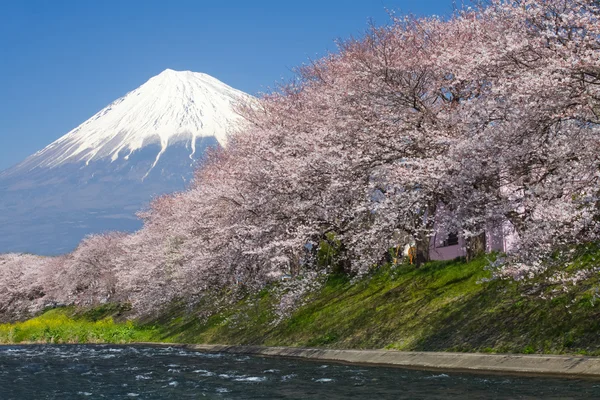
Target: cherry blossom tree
x=488 y=118
x=25 y=282
x=485 y=113
x=88 y=276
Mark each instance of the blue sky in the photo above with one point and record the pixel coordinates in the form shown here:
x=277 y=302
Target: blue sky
x=62 y=61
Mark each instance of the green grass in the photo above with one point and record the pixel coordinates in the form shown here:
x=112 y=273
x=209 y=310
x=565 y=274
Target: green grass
x=442 y=306
x=64 y=325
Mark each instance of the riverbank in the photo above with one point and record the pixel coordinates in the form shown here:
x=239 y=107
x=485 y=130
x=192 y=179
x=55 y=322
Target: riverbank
x=152 y=372
x=440 y=307
x=67 y=325
x=446 y=306
x=547 y=365
x=478 y=363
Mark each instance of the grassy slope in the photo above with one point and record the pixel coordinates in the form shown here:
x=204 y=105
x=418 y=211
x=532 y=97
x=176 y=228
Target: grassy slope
x=440 y=306
x=66 y=325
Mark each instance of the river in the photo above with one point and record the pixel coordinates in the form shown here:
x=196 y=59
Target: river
x=123 y=372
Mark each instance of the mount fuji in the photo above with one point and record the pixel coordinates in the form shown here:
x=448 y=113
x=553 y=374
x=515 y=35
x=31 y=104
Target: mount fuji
x=97 y=176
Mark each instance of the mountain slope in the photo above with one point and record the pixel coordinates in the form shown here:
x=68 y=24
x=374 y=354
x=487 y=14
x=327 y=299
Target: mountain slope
x=97 y=176
x=172 y=107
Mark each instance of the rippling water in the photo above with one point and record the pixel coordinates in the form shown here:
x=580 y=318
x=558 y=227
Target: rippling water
x=121 y=372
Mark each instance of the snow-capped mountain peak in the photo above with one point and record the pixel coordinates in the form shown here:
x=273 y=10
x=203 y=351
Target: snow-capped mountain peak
x=96 y=177
x=172 y=107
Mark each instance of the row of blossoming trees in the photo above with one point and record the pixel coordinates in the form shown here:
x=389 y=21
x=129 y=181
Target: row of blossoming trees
x=493 y=113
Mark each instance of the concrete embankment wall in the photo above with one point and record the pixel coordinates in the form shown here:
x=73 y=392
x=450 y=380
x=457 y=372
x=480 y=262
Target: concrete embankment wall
x=569 y=366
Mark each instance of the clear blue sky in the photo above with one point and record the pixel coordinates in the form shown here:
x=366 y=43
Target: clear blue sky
x=62 y=61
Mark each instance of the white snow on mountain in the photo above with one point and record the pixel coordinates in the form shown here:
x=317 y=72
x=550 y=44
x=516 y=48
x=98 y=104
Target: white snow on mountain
x=172 y=107
x=96 y=177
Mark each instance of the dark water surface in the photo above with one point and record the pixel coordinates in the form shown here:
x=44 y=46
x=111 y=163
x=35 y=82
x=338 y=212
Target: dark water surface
x=122 y=372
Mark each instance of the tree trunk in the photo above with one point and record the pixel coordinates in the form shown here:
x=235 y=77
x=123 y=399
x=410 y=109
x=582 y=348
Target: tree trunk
x=423 y=238
x=341 y=263
x=476 y=246
x=422 y=244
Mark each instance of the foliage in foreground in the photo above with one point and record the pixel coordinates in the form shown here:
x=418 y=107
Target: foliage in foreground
x=63 y=325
